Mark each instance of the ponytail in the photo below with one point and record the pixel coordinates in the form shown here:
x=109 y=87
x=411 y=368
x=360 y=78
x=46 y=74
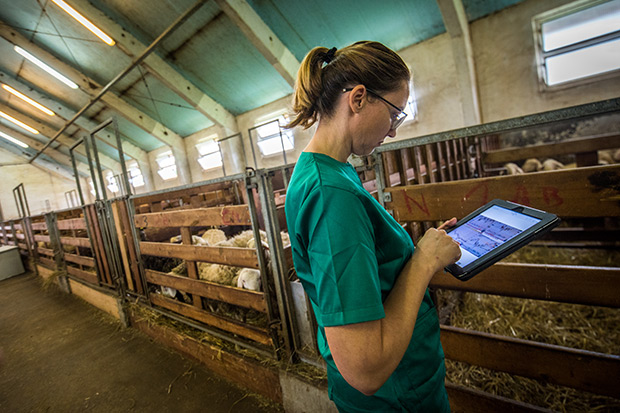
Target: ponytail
x=325 y=72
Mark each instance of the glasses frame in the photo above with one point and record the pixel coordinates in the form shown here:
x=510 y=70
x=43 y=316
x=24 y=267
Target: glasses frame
x=397 y=119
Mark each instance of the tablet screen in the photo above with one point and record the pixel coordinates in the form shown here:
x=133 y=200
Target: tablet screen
x=487 y=231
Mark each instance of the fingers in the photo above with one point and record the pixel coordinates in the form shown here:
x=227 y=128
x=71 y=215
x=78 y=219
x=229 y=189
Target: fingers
x=448 y=224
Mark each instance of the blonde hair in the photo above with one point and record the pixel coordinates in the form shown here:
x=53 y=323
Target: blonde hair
x=324 y=73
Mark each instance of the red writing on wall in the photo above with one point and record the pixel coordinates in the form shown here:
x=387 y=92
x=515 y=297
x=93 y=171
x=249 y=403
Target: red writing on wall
x=411 y=203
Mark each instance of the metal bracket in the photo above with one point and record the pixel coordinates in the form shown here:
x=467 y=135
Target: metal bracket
x=387 y=197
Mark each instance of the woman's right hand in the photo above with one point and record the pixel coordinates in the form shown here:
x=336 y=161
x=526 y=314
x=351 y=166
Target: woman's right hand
x=437 y=249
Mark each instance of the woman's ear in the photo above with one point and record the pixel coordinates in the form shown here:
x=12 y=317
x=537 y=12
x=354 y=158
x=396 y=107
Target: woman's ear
x=357 y=98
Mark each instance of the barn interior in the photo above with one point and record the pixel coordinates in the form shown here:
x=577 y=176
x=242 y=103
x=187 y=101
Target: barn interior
x=145 y=160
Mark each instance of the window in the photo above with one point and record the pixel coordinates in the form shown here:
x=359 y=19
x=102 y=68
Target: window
x=578 y=41
x=209 y=151
x=412 y=105
x=135 y=174
x=167 y=166
x=112 y=182
x=271 y=136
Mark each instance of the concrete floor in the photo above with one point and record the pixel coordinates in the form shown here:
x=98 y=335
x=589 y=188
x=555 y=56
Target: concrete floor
x=59 y=354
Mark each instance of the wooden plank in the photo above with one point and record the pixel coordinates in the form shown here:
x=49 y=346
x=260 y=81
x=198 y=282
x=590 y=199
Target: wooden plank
x=245 y=371
x=104 y=302
x=97 y=246
x=39 y=226
x=42 y=238
x=80 y=260
x=550 y=150
x=192 y=271
x=75 y=223
x=239 y=257
x=128 y=233
x=156 y=198
x=45 y=251
x=122 y=246
x=253 y=333
x=599 y=286
x=47 y=262
x=44 y=272
x=582 y=192
x=243 y=298
x=584 y=370
x=77 y=241
x=89 y=277
x=216 y=216
x=468 y=400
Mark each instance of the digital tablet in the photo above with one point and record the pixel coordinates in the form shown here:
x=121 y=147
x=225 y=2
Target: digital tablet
x=494 y=231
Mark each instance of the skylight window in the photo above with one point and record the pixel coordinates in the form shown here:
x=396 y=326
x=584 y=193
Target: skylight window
x=579 y=41
x=272 y=138
x=209 y=151
x=135 y=174
x=167 y=166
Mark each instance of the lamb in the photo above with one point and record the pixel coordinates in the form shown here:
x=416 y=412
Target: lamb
x=552 y=165
x=217 y=273
x=531 y=165
x=513 y=169
x=249 y=279
x=196 y=240
x=213 y=236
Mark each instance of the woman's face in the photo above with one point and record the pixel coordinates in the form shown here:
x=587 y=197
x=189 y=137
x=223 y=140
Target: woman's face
x=377 y=118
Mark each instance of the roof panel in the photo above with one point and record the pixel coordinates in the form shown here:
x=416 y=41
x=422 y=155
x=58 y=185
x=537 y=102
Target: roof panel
x=162 y=104
x=304 y=25
x=476 y=9
x=226 y=66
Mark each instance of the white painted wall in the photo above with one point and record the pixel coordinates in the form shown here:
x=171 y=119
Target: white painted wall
x=39 y=186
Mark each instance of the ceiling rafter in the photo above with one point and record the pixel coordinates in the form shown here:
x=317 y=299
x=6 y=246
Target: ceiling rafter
x=160 y=69
x=123 y=108
x=457 y=26
x=63 y=139
x=56 y=155
x=262 y=37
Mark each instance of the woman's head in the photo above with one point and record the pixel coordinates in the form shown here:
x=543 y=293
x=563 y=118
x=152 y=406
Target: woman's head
x=324 y=74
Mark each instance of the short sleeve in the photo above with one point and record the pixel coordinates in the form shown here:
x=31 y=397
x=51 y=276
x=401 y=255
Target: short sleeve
x=340 y=245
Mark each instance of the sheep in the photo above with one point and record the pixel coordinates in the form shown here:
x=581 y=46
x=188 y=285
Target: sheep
x=513 y=169
x=196 y=240
x=217 y=273
x=213 y=236
x=531 y=165
x=249 y=279
x=552 y=165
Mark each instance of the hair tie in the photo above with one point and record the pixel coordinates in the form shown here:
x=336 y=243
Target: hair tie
x=329 y=55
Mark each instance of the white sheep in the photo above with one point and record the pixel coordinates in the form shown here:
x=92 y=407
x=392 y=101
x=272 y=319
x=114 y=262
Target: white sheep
x=531 y=165
x=552 y=165
x=249 y=279
x=196 y=240
x=213 y=236
x=513 y=169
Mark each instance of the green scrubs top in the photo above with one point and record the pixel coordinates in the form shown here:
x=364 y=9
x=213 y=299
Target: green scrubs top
x=348 y=252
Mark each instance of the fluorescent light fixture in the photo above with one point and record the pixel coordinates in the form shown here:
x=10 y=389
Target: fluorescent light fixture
x=12 y=139
x=45 y=67
x=28 y=100
x=85 y=22
x=19 y=123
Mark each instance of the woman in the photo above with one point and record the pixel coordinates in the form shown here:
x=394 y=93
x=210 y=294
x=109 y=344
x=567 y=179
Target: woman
x=367 y=284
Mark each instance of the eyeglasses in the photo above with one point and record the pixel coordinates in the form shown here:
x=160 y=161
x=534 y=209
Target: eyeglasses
x=397 y=119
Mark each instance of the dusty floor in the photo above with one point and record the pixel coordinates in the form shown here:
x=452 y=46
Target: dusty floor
x=62 y=355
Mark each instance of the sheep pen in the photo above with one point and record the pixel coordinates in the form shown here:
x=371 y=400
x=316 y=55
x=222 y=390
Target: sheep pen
x=581 y=327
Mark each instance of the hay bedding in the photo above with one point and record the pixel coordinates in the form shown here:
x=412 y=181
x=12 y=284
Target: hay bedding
x=576 y=326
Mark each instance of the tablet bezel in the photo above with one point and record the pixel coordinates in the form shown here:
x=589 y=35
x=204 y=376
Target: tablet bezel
x=547 y=222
